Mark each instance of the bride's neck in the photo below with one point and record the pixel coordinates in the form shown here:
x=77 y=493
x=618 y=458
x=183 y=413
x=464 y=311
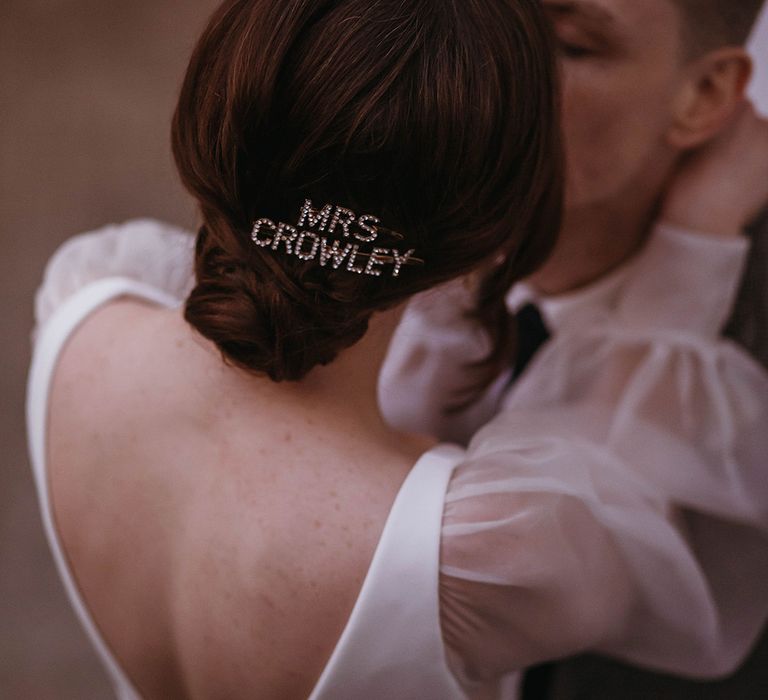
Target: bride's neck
x=350 y=383
x=343 y=393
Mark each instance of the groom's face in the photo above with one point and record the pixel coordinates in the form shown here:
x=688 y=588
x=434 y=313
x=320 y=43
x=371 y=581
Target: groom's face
x=622 y=64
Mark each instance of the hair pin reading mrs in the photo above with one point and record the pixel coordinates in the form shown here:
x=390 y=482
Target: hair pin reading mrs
x=335 y=236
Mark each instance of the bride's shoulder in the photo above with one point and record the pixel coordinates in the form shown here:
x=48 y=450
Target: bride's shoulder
x=110 y=370
x=96 y=314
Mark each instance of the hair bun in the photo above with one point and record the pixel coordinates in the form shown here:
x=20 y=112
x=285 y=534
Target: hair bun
x=441 y=118
x=266 y=321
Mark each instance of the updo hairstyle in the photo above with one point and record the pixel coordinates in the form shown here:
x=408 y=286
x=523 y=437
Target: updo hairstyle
x=440 y=117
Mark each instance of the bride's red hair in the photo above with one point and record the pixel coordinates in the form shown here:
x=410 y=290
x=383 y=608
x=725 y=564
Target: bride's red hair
x=438 y=116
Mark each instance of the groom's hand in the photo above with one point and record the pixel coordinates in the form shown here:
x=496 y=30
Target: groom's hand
x=723 y=186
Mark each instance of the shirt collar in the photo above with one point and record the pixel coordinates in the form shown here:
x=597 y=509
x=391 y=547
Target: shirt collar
x=586 y=302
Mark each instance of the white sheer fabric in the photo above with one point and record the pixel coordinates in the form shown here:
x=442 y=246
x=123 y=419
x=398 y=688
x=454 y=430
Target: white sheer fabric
x=143 y=250
x=617 y=502
x=758 y=88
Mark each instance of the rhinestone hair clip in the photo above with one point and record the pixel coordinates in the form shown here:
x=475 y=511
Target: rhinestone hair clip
x=337 y=237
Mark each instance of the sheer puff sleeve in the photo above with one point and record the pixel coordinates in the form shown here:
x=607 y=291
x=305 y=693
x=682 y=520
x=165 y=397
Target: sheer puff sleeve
x=141 y=252
x=619 y=501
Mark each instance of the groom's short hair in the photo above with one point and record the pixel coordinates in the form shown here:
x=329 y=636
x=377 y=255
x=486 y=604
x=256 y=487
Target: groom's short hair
x=710 y=24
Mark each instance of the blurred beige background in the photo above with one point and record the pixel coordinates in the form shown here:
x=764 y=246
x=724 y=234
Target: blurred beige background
x=87 y=88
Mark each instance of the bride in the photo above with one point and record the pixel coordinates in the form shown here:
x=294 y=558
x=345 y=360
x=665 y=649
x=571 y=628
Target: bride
x=230 y=513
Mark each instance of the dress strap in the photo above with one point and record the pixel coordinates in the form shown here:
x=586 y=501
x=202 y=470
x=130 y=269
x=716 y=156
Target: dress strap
x=392 y=645
x=51 y=338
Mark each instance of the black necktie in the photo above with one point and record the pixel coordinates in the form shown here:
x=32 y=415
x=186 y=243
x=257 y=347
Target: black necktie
x=532 y=333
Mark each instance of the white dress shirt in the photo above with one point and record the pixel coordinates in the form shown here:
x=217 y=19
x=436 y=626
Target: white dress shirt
x=682 y=279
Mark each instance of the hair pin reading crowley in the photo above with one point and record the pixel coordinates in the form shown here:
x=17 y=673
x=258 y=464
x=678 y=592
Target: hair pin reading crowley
x=341 y=226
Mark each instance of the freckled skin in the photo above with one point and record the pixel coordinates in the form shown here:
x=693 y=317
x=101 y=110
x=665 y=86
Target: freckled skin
x=226 y=518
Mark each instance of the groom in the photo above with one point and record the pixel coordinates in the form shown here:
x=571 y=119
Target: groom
x=645 y=85
x=655 y=130
x=615 y=115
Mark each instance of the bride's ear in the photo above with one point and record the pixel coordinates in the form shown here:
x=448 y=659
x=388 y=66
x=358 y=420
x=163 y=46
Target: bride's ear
x=712 y=90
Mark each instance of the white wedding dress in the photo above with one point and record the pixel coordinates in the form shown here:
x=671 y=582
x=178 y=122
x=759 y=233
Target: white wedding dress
x=585 y=523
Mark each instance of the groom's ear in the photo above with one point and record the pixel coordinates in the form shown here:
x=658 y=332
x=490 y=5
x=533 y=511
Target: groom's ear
x=712 y=89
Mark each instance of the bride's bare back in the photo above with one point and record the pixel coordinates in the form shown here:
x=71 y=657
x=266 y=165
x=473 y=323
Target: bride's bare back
x=219 y=526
